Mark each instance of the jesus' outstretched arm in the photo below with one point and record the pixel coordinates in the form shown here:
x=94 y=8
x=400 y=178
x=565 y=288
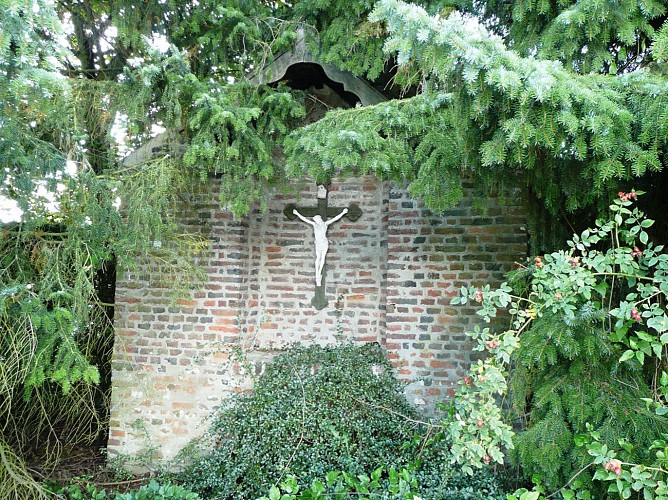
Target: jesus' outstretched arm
x=304 y=219
x=331 y=221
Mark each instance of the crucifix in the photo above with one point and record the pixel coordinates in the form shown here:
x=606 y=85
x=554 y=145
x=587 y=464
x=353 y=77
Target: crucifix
x=319 y=219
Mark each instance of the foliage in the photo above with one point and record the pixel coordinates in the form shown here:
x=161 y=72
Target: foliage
x=317 y=410
x=158 y=490
x=39 y=350
x=475 y=422
x=406 y=483
x=400 y=485
x=660 y=45
x=63 y=168
x=55 y=317
x=616 y=34
x=397 y=136
x=15 y=480
x=626 y=477
x=343 y=34
x=72 y=75
x=314 y=410
x=568 y=136
x=238 y=141
x=588 y=347
x=153 y=490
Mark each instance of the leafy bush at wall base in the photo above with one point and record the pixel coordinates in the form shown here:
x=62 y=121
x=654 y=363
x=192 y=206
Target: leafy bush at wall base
x=315 y=410
x=153 y=491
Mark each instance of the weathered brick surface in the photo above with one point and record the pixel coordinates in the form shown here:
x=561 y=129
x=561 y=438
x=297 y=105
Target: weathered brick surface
x=389 y=279
x=429 y=258
x=173 y=362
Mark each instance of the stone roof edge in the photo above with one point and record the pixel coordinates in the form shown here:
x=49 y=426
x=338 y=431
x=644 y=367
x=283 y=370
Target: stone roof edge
x=277 y=69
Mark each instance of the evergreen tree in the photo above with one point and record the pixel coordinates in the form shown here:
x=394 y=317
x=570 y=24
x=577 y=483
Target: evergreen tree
x=566 y=127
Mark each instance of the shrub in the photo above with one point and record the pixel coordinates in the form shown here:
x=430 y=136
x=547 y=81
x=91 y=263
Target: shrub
x=599 y=318
x=397 y=485
x=153 y=491
x=314 y=411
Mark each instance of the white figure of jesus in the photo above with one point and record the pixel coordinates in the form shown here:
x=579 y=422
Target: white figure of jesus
x=320 y=234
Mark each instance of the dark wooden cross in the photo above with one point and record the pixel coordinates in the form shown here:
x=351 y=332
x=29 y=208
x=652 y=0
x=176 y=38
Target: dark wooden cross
x=319 y=300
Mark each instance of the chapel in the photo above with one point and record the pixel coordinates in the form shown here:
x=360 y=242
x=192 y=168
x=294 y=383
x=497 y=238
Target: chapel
x=390 y=271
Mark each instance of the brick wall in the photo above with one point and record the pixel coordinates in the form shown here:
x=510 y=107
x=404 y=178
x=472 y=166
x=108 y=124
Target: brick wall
x=429 y=259
x=389 y=279
x=174 y=362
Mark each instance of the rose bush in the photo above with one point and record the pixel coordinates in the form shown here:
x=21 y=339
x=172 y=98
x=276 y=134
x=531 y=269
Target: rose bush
x=587 y=343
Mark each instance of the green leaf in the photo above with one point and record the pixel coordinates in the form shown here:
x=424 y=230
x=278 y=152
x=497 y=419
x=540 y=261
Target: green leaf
x=601 y=288
x=331 y=477
x=601 y=475
x=581 y=439
x=628 y=354
x=317 y=487
x=274 y=493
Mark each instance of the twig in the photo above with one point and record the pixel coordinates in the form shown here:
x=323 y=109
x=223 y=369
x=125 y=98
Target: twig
x=419 y=422
x=119 y=483
x=571 y=479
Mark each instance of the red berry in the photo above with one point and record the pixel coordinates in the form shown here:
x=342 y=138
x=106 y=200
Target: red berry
x=613 y=465
x=487 y=459
x=480 y=422
x=492 y=344
x=478 y=296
